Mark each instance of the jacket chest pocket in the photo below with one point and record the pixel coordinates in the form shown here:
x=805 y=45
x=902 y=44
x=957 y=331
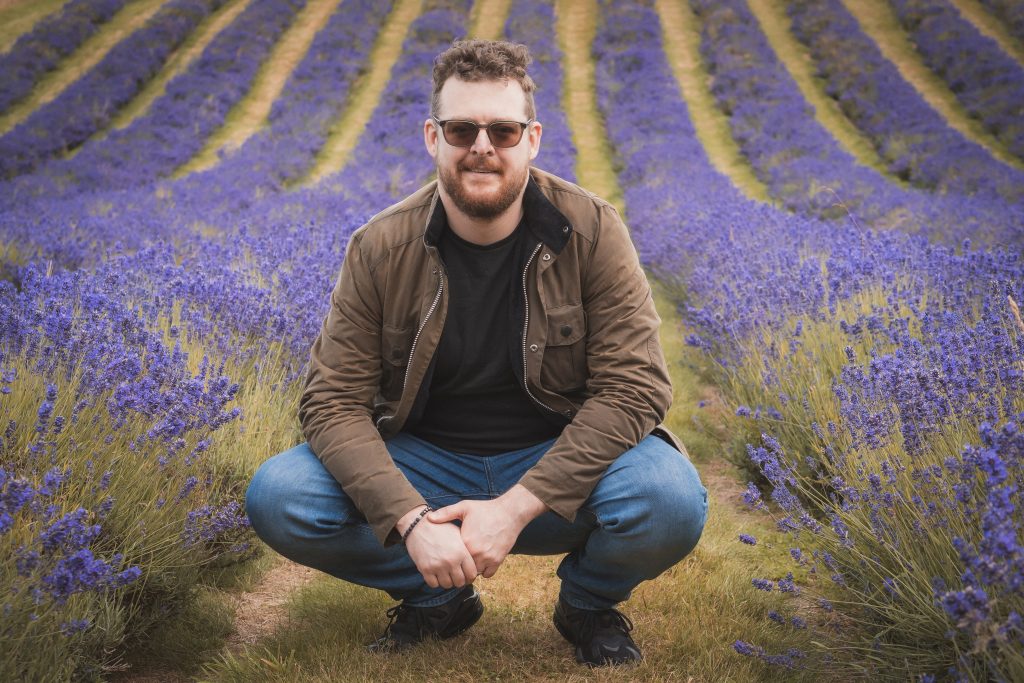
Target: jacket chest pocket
x=564 y=368
x=394 y=359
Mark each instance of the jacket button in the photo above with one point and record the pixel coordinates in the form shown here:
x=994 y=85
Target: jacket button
x=546 y=257
x=533 y=347
x=566 y=330
x=565 y=228
x=568 y=414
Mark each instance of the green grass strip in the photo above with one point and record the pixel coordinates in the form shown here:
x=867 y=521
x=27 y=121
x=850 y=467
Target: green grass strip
x=366 y=93
x=795 y=56
x=973 y=12
x=487 y=19
x=251 y=112
x=681 y=41
x=18 y=18
x=131 y=18
x=879 y=22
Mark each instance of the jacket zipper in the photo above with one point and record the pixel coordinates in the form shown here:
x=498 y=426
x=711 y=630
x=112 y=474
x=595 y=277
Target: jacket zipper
x=415 y=340
x=526 y=326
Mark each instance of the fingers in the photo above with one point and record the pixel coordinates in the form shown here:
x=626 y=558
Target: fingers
x=447 y=514
x=490 y=571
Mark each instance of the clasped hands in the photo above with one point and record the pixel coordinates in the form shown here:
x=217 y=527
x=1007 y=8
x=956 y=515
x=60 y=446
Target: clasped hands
x=449 y=556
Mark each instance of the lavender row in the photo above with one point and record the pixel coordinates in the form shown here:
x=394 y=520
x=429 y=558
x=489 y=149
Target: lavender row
x=90 y=103
x=913 y=139
x=177 y=124
x=52 y=39
x=802 y=164
x=532 y=22
x=773 y=295
x=986 y=81
x=1010 y=13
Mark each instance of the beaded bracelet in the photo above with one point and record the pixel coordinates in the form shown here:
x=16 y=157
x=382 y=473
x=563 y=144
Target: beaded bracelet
x=423 y=513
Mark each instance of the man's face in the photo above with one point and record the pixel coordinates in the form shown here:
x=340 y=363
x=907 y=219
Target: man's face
x=482 y=180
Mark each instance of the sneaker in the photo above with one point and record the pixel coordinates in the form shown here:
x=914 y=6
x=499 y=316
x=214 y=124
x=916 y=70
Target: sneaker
x=410 y=625
x=601 y=636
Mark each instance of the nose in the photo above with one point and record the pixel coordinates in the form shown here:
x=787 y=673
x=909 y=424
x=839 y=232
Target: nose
x=482 y=144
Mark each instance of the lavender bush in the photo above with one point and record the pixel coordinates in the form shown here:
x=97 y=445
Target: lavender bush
x=108 y=511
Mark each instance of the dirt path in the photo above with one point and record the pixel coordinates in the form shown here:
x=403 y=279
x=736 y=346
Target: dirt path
x=261 y=611
x=250 y=114
x=681 y=41
x=878 y=20
x=132 y=17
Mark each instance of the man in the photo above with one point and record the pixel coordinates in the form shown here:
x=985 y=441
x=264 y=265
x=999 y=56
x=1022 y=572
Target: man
x=488 y=380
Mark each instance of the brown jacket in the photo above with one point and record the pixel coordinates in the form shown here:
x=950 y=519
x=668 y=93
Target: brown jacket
x=590 y=351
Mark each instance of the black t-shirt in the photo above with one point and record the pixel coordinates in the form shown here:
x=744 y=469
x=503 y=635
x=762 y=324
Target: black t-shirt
x=475 y=403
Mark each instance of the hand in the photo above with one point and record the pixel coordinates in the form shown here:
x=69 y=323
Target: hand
x=490 y=527
x=438 y=552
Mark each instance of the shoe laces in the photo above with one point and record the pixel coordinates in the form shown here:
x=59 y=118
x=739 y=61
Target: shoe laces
x=406 y=618
x=592 y=620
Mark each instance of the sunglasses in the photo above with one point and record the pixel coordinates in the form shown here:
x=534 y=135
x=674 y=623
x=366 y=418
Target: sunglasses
x=464 y=133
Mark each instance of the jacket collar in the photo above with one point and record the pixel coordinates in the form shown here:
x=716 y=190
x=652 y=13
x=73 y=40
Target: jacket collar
x=542 y=218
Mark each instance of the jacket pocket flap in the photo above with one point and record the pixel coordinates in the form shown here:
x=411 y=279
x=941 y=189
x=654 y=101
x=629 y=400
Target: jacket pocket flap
x=566 y=325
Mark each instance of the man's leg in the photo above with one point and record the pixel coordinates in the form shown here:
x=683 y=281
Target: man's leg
x=645 y=515
x=299 y=509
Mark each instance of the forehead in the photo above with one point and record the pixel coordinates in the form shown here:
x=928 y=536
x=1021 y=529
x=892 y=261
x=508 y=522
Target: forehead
x=482 y=100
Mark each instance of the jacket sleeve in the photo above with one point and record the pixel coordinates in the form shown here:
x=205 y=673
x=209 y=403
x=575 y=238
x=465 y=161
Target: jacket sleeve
x=336 y=408
x=629 y=386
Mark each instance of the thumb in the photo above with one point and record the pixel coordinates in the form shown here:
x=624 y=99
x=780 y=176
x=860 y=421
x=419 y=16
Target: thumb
x=448 y=514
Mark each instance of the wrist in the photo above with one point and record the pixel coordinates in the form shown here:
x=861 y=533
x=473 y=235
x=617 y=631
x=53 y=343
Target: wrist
x=403 y=523
x=522 y=504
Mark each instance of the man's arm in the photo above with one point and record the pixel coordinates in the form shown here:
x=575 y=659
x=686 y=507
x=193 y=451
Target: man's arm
x=336 y=408
x=628 y=377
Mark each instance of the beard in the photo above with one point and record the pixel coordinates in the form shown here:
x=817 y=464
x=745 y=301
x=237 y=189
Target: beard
x=486 y=205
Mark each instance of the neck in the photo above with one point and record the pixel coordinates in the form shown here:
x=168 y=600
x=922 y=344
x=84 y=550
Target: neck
x=483 y=231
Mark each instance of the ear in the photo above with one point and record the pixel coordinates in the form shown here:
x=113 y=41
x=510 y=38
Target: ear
x=430 y=137
x=534 y=133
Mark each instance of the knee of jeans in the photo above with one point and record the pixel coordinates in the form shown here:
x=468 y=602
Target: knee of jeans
x=263 y=500
x=675 y=511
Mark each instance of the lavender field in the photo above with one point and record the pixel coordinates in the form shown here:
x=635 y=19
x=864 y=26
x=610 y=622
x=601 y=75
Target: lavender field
x=841 y=283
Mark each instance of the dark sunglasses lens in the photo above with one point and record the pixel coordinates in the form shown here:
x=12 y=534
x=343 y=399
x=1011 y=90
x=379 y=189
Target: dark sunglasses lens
x=460 y=133
x=504 y=134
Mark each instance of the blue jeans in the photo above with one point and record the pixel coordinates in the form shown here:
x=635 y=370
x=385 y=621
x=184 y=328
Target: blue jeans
x=645 y=514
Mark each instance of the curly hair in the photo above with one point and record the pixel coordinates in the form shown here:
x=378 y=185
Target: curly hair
x=484 y=60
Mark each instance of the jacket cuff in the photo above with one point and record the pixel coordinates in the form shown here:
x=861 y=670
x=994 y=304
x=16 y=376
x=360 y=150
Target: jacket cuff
x=548 y=484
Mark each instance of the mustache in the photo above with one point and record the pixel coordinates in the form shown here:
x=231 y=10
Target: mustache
x=482 y=166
